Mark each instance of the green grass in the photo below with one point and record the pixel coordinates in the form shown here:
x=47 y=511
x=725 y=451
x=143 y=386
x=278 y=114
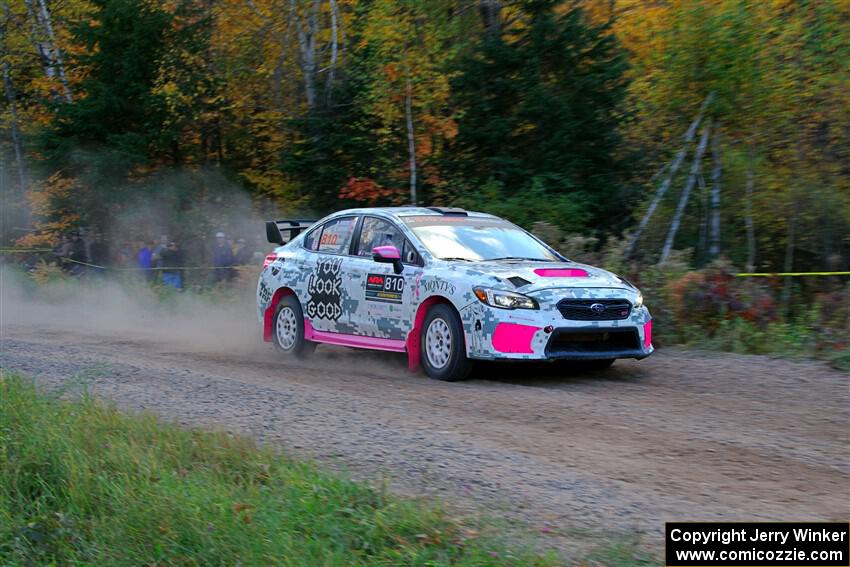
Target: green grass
x=82 y=484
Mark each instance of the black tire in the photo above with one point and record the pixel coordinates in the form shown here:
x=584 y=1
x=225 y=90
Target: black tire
x=456 y=366
x=595 y=365
x=290 y=308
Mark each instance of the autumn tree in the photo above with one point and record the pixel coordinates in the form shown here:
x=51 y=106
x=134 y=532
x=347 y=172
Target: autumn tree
x=539 y=109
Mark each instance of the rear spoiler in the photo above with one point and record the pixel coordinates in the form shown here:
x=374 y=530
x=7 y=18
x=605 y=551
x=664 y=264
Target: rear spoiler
x=275 y=230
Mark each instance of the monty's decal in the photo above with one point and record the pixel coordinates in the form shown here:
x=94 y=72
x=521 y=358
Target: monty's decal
x=437 y=285
x=386 y=289
x=325 y=289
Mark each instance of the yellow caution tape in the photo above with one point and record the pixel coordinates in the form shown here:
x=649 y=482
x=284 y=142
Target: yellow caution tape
x=23 y=250
x=118 y=269
x=740 y=275
x=790 y=274
x=152 y=268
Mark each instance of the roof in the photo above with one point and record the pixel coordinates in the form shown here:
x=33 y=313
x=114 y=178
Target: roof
x=409 y=211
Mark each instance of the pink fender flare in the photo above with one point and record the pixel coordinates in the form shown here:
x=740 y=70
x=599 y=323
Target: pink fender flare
x=414 y=354
x=268 y=315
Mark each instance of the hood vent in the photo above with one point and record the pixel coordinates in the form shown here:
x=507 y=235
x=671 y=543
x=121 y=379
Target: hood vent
x=518 y=281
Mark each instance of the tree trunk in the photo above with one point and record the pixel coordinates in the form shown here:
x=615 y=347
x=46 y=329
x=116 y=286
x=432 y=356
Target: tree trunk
x=702 y=242
x=788 y=265
x=490 y=11
x=13 y=126
x=307 y=47
x=11 y=99
x=665 y=184
x=334 y=49
x=748 y=220
x=411 y=140
x=686 y=193
x=45 y=42
x=40 y=45
x=717 y=171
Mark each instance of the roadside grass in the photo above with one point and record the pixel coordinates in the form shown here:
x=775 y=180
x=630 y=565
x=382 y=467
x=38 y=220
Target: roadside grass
x=81 y=483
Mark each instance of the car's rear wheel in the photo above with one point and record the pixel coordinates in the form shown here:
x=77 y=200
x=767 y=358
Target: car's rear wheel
x=289 y=328
x=442 y=345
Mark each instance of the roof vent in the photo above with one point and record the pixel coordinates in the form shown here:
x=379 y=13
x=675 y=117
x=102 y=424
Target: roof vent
x=449 y=211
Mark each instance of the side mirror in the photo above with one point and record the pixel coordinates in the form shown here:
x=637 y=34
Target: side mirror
x=388 y=255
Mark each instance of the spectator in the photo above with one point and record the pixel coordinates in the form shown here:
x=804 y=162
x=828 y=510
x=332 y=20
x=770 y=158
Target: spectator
x=144 y=259
x=61 y=251
x=157 y=250
x=243 y=255
x=77 y=254
x=258 y=253
x=124 y=257
x=172 y=257
x=222 y=259
x=99 y=253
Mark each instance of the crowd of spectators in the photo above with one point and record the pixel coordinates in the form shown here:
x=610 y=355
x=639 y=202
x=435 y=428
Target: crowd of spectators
x=162 y=261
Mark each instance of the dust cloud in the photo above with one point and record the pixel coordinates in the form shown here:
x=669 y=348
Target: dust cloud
x=199 y=323
x=117 y=307
x=188 y=207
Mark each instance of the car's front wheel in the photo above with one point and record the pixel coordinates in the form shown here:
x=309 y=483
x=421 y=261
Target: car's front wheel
x=442 y=345
x=289 y=328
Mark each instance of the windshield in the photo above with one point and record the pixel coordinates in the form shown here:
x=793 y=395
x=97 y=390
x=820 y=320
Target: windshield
x=476 y=239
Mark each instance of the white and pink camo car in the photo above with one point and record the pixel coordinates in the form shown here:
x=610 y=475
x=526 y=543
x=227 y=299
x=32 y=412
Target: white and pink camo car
x=447 y=287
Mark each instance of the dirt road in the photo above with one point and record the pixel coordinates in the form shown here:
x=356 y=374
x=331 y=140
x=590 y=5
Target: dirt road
x=682 y=435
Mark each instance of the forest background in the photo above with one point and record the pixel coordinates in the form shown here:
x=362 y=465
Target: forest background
x=676 y=141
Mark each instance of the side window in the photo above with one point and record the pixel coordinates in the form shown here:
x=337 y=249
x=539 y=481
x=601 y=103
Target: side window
x=312 y=239
x=378 y=232
x=409 y=254
x=336 y=235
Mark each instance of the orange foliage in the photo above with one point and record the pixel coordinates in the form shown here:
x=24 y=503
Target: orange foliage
x=367 y=190
x=49 y=202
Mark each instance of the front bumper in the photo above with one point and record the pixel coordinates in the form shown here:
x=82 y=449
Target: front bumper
x=545 y=334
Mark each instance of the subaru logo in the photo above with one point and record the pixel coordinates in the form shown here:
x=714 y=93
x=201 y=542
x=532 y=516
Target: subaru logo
x=597 y=308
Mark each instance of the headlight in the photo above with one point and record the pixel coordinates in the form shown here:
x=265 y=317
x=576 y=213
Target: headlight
x=504 y=299
x=639 y=300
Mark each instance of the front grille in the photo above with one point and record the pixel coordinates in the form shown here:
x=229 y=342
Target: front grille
x=588 y=310
x=593 y=341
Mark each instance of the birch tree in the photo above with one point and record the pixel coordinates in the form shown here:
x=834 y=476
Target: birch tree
x=748 y=219
x=11 y=104
x=44 y=39
x=686 y=193
x=668 y=179
x=408 y=91
x=17 y=144
x=716 y=172
x=307 y=31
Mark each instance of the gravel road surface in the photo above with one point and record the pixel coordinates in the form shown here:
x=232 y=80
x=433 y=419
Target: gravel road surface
x=683 y=435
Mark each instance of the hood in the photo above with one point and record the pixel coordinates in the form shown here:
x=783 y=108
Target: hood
x=529 y=277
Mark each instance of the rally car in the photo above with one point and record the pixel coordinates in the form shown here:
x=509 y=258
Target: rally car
x=445 y=286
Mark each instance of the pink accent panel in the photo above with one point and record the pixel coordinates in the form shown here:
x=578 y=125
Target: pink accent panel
x=513 y=337
x=308 y=329
x=268 y=316
x=414 y=355
x=647 y=335
x=358 y=341
x=561 y=272
x=387 y=252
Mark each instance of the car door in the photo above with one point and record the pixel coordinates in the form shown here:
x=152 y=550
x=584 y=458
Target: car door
x=384 y=298
x=327 y=303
